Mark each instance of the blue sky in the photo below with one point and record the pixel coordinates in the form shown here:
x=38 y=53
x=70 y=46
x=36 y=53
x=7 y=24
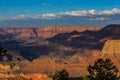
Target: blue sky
x=31 y=8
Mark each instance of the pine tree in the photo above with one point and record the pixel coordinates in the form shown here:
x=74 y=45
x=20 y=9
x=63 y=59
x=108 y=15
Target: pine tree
x=103 y=69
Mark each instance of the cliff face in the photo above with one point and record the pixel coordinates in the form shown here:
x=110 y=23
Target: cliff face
x=111 y=50
x=42 y=32
x=111 y=47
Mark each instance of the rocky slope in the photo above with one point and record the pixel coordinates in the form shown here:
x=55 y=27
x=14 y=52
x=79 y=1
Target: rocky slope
x=111 y=50
x=77 y=64
x=73 y=50
x=88 y=39
x=29 y=44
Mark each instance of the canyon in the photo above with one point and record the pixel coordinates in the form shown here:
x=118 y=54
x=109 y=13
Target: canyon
x=32 y=43
x=42 y=31
x=49 y=49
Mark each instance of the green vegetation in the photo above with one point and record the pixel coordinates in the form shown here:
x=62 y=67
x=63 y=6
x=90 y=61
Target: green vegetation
x=61 y=75
x=103 y=69
x=86 y=77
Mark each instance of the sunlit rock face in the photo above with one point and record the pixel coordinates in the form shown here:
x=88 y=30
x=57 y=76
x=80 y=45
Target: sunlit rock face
x=42 y=31
x=112 y=47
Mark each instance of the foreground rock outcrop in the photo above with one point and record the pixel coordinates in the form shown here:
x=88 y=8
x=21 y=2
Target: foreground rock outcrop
x=111 y=47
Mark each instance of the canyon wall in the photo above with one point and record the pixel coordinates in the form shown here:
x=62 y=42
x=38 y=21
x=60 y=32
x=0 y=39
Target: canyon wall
x=42 y=31
x=111 y=47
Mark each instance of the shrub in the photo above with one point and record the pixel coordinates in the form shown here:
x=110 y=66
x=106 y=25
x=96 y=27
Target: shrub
x=61 y=75
x=86 y=77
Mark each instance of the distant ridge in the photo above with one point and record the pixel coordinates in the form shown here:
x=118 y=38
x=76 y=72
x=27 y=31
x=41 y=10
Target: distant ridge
x=42 y=31
x=56 y=40
x=90 y=36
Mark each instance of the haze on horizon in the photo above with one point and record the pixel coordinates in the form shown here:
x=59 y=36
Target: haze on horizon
x=34 y=13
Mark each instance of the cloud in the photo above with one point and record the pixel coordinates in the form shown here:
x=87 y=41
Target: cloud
x=87 y=14
x=1 y=18
x=111 y=12
x=91 y=12
x=21 y=16
x=46 y=4
x=100 y=18
x=46 y=16
x=75 y=13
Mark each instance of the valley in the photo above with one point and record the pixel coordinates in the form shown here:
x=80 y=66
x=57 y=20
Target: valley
x=47 y=50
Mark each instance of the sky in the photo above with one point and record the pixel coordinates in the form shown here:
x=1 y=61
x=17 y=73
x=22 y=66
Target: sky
x=30 y=13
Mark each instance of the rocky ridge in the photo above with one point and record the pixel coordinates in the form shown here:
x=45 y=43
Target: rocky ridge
x=65 y=43
x=41 y=31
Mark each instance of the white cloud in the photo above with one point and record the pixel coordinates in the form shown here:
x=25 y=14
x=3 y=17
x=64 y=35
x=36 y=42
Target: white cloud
x=21 y=16
x=46 y=16
x=100 y=18
x=83 y=13
x=91 y=12
x=1 y=18
x=113 y=11
x=75 y=13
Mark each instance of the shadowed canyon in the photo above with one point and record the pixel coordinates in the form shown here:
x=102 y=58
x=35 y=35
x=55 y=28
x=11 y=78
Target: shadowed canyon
x=49 y=49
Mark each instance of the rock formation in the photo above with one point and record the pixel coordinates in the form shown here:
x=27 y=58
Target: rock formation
x=41 y=31
x=111 y=47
